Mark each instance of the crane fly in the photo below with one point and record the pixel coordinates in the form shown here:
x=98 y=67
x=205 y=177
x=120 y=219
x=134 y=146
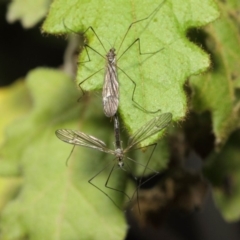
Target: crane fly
x=152 y=127
x=110 y=92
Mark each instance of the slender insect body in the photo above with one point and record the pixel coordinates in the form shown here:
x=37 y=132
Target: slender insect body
x=118 y=142
x=110 y=93
x=119 y=153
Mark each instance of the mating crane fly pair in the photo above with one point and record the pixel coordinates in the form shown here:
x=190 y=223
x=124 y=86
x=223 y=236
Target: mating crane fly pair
x=110 y=98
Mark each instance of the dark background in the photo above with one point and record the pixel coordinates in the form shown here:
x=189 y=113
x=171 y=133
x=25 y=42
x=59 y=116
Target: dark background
x=22 y=50
x=203 y=224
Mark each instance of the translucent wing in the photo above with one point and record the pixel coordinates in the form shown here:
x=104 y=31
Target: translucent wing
x=150 y=128
x=110 y=93
x=78 y=138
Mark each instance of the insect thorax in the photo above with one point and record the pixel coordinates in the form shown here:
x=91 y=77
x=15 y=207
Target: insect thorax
x=111 y=56
x=119 y=153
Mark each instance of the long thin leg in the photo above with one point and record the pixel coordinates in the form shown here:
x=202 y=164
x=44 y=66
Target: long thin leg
x=106 y=184
x=86 y=46
x=135 y=178
x=140 y=52
x=90 y=181
x=143 y=19
x=134 y=83
x=139 y=49
x=83 y=92
x=134 y=89
x=154 y=145
x=96 y=36
x=91 y=28
x=145 y=167
x=89 y=59
x=70 y=155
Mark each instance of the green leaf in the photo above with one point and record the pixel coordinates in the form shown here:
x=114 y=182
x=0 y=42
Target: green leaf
x=56 y=201
x=28 y=12
x=9 y=105
x=222 y=170
x=159 y=77
x=217 y=91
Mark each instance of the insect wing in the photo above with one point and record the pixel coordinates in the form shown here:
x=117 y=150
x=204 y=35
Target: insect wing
x=110 y=93
x=78 y=138
x=150 y=128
